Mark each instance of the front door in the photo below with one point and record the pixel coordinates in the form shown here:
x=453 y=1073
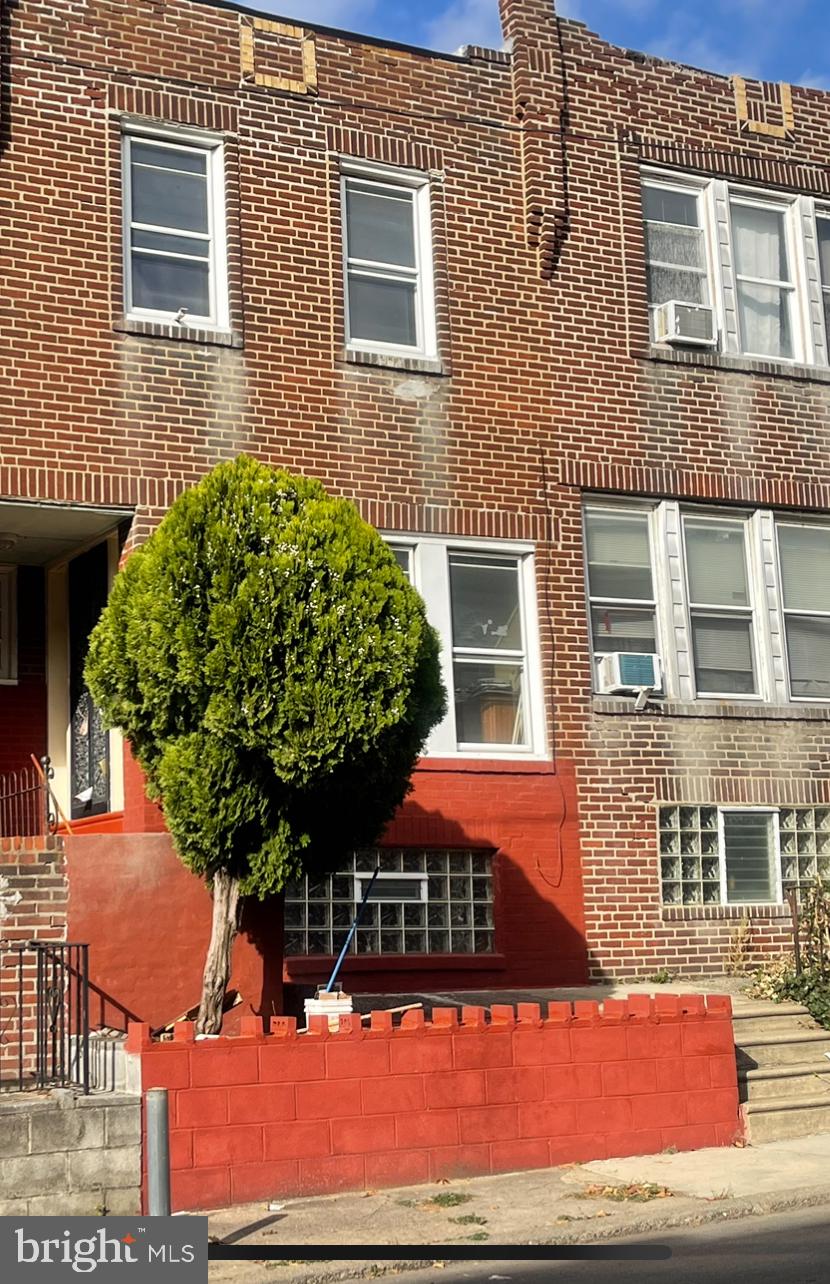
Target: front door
x=89 y=772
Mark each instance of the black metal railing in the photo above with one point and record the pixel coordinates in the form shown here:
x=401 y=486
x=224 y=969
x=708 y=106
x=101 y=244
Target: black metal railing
x=44 y=1015
x=25 y=801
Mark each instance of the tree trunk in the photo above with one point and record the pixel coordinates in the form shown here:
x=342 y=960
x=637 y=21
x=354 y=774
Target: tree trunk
x=218 y=962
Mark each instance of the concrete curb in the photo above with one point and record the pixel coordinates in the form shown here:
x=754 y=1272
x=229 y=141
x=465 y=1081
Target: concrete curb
x=694 y=1212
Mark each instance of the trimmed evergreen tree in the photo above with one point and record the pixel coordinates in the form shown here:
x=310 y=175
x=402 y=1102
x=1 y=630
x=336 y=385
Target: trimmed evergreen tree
x=275 y=675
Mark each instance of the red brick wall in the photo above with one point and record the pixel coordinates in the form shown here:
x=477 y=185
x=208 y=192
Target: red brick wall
x=286 y=1114
x=33 y=869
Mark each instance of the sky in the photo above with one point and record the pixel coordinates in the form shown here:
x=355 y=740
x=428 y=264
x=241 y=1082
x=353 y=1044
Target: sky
x=761 y=39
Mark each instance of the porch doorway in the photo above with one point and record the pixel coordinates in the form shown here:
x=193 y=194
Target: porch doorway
x=89 y=741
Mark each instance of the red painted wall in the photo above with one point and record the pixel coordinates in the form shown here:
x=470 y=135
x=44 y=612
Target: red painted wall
x=146 y=919
x=288 y=1115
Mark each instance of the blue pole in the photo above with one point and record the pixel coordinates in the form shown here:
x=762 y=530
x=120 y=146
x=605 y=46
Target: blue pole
x=352 y=931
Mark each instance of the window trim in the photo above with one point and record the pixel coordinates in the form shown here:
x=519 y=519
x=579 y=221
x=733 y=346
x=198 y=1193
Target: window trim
x=649 y=510
x=724 y=612
x=424 y=272
x=793 y=520
x=673 y=607
x=217 y=236
x=723 y=275
x=431 y=554
x=8 y=626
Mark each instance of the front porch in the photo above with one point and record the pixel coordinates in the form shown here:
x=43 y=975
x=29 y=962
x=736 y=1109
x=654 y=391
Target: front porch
x=57 y=563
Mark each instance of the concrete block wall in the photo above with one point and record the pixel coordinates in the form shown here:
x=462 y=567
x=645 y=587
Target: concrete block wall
x=293 y=1114
x=71 y=1156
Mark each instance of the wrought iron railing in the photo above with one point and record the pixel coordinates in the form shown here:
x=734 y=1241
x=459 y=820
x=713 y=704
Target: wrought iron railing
x=26 y=801
x=44 y=1015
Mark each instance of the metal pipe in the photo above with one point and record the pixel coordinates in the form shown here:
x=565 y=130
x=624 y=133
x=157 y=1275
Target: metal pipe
x=158 y=1152
x=358 y=916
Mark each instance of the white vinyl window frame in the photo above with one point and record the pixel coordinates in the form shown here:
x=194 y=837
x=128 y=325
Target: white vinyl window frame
x=430 y=575
x=416 y=185
x=673 y=631
x=698 y=189
x=787 y=209
x=810 y=336
x=788 y=612
x=774 y=855
x=8 y=625
x=648 y=512
x=721 y=611
x=215 y=239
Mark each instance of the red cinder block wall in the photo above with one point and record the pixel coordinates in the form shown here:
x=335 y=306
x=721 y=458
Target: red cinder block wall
x=286 y=1114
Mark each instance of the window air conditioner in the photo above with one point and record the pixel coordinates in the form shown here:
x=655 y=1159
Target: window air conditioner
x=628 y=671
x=676 y=322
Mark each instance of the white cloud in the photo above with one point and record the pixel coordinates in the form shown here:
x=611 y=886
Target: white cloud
x=466 y=22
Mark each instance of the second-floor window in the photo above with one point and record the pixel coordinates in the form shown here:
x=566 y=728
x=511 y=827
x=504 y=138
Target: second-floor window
x=174 y=230
x=735 y=604
x=757 y=262
x=388 y=261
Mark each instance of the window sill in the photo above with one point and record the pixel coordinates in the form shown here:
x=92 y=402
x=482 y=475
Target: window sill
x=392 y=361
x=757 y=710
x=182 y=333
x=516 y=766
x=312 y=964
x=691 y=913
x=725 y=361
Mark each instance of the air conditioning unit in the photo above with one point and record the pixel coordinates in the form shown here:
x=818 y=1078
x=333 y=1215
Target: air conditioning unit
x=628 y=671
x=676 y=322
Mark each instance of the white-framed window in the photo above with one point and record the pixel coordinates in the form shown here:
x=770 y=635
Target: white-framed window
x=623 y=602
x=175 y=260
x=387 y=260
x=676 y=252
x=713 y=855
x=804 y=572
x=721 y=616
x=8 y=624
x=736 y=603
x=763 y=277
x=481 y=598
x=759 y=259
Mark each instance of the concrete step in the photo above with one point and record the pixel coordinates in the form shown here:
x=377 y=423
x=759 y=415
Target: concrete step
x=781 y=1049
x=770 y=1018
x=772 y=1083
x=788 y=1117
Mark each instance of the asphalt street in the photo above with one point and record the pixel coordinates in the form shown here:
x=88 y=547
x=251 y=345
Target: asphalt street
x=790 y=1248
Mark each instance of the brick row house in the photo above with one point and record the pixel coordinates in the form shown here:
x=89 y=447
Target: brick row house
x=556 y=318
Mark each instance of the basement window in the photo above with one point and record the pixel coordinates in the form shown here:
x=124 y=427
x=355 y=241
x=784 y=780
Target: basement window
x=720 y=855
x=423 y=902
x=174 y=229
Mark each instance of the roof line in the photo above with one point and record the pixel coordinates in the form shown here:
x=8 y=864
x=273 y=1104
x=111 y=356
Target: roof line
x=334 y=31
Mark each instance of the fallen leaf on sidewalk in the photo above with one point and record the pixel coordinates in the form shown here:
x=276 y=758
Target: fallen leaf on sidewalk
x=638 y=1192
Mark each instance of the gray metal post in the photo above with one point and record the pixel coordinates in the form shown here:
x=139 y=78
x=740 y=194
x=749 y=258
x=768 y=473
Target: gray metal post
x=158 y=1152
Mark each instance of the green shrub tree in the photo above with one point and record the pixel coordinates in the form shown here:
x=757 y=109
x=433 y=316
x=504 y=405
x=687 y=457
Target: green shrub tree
x=275 y=675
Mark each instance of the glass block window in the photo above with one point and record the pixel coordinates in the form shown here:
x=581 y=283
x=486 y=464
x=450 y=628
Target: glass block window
x=739 y=856
x=690 y=855
x=436 y=902
x=805 y=844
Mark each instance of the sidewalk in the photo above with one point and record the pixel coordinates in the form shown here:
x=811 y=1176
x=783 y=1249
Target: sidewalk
x=559 y=1205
